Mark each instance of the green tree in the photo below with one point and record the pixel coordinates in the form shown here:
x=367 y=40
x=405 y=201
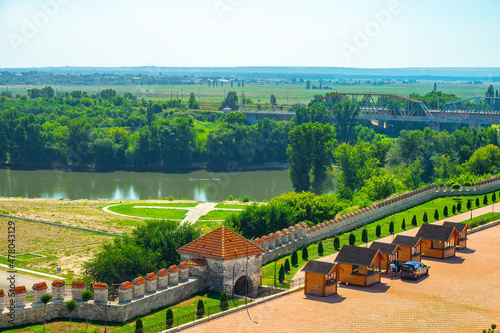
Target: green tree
x=272 y=100
x=336 y=243
x=193 y=103
x=391 y=227
x=364 y=236
x=414 y=221
x=436 y=215
x=46 y=298
x=477 y=202
x=459 y=206
x=494 y=197
x=345 y=118
x=87 y=295
x=352 y=239
x=425 y=218
x=138 y=326
x=445 y=211
x=485 y=200
x=281 y=274
x=403 y=225
x=200 y=309
x=320 y=248
x=223 y=305
x=305 y=254
x=169 y=318
x=287 y=266
x=231 y=101
x=71 y=306
x=295 y=258
x=484 y=160
x=378 y=230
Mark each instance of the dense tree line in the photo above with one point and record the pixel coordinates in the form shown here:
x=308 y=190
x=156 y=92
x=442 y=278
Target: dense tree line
x=151 y=247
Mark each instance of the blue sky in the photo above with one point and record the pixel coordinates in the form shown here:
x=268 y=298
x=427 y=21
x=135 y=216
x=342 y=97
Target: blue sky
x=356 y=33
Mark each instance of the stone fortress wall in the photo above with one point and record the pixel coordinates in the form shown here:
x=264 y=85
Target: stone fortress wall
x=178 y=282
x=283 y=242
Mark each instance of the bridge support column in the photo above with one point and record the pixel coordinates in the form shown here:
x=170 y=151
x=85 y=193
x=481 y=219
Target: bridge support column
x=433 y=126
x=476 y=125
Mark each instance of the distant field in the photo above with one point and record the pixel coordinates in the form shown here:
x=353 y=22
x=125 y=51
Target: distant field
x=218 y=214
x=284 y=93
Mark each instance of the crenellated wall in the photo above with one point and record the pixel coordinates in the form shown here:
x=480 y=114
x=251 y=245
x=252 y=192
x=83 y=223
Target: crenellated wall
x=135 y=299
x=283 y=242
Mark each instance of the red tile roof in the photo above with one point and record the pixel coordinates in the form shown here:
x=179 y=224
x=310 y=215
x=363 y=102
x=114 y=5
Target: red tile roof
x=125 y=285
x=101 y=286
x=197 y=262
x=273 y=236
x=58 y=283
x=173 y=268
x=20 y=290
x=265 y=239
x=184 y=265
x=222 y=243
x=1 y=293
x=162 y=272
x=40 y=286
x=78 y=284
x=259 y=241
x=151 y=277
x=139 y=280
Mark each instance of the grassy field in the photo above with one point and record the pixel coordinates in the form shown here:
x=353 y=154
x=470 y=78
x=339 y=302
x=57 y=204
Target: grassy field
x=207 y=226
x=284 y=93
x=156 y=213
x=430 y=207
x=218 y=214
x=231 y=206
x=182 y=311
x=62 y=247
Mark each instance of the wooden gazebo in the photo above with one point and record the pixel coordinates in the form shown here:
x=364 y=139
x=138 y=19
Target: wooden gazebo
x=439 y=241
x=359 y=265
x=462 y=230
x=321 y=278
x=410 y=248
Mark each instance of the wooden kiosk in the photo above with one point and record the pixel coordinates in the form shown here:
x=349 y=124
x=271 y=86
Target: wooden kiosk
x=359 y=265
x=462 y=230
x=321 y=278
x=439 y=241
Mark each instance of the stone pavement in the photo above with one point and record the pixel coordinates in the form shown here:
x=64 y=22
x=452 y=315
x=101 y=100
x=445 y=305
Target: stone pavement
x=461 y=294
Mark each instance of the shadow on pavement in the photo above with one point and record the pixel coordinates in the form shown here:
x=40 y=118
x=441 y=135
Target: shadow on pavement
x=466 y=251
x=374 y=288
x=451 y=260
x=425 y=277
x=332 y=299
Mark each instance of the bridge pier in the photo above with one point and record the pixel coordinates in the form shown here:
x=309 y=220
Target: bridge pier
x=433 y=126
x=475 y=125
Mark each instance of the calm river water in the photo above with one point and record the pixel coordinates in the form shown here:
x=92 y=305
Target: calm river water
x=197 y=185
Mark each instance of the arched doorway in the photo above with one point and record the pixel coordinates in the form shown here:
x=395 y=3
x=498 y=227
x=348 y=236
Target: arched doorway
x=243 y=286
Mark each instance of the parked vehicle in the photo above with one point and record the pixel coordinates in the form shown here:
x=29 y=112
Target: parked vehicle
x=414 y=270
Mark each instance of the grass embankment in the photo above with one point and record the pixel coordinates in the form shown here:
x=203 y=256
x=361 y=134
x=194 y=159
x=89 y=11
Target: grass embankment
x=134 y=209
x=218 y=214
x=231 y=206
x=419 y=211
x=182 y=311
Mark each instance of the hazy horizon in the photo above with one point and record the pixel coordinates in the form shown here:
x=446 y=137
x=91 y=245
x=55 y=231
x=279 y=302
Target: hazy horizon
x=377 y=34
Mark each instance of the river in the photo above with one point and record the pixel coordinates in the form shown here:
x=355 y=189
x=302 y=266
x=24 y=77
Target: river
x=123 y=185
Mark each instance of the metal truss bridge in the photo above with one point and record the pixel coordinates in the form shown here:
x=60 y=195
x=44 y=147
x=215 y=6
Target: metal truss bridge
x=389 y=107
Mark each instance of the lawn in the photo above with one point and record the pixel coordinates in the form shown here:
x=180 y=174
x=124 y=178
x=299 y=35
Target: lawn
x=183 y=313
x=218 y=214
x=430 y=207
x=206 y=226
x=158 y=213
x=231 y=206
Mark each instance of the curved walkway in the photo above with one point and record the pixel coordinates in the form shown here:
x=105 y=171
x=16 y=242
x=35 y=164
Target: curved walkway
x=193 y=214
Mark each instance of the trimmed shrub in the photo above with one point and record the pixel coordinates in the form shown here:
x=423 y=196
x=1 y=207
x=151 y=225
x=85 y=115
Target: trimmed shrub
x=477 y=202
x=364 y=236
x=223 y=305
x=425 y=218
x=453 y=209
x=494 y=197
x=336 y=243
x=352 y=239
x=170 y=318
x=445 y=211
x=485 y=200
x=246 y=198
x=305 y=254
x=138 y=326
x=391 y=227
x=295 y=258
x=378 y=230
x=456 y=186
x=287 y=266
x=436 y=215
x=459 y=206
x=469 y=204
x=281 y=274
x=320 y=248
x=200 y=309
x=403 y=225
x=414 y=221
